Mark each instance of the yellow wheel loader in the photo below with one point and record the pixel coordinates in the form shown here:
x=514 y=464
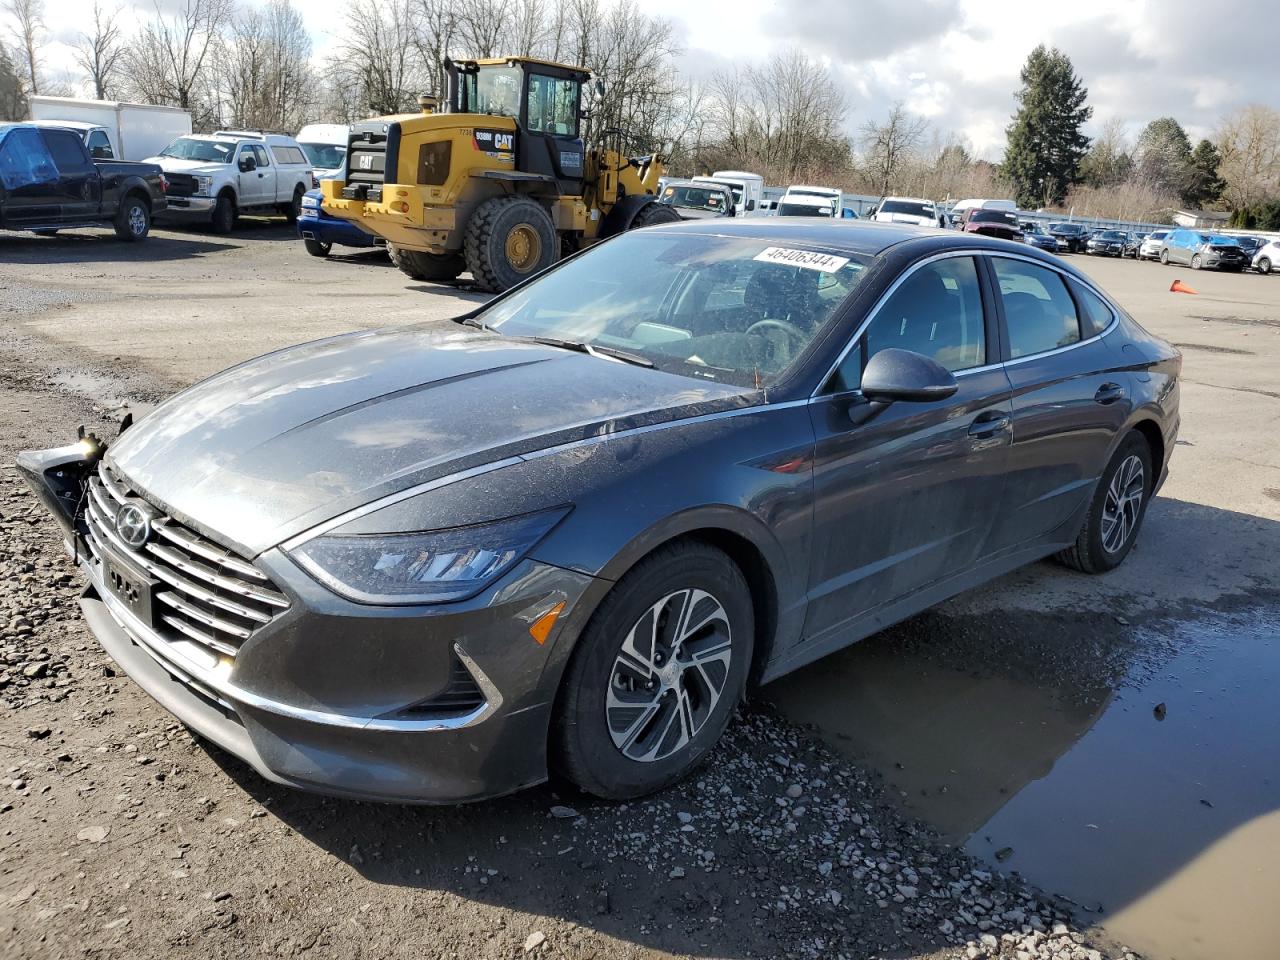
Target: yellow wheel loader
x=498 y=180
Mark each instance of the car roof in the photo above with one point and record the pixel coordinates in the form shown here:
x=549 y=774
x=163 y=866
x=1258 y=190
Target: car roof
x=64 y=124
x=860 y=237
x=909 y=200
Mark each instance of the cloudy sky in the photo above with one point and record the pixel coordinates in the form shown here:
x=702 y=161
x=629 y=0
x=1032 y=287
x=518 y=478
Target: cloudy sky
x=957 y=61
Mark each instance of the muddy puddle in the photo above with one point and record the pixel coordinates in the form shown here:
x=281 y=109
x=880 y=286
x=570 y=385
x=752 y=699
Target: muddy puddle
x=108 y=393
x=1133 y=770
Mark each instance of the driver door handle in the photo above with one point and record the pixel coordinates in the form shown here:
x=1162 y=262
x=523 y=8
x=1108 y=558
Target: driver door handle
x=989 y=424
x=1109 y=393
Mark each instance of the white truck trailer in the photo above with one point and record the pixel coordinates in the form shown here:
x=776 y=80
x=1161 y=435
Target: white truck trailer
x=113 y=130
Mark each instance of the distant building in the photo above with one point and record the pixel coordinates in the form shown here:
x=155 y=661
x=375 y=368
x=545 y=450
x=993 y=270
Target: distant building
x=1202 y=219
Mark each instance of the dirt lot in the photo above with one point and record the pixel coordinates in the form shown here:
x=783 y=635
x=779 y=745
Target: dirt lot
x=867 y=807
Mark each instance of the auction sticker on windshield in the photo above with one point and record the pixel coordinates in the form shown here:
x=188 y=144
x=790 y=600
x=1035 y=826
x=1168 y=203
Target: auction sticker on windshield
x=802 y=258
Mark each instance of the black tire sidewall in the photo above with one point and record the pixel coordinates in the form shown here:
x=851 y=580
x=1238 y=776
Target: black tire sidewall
x=124 y=224
x=294 y=210
x=317 y=248
x=1264 y=265
x=513 y=214
x=224 y=222
x=1133 y=443
x=586 y=754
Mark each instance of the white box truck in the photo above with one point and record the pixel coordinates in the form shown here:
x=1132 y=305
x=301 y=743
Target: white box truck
x=113 y=130
x=748 y=189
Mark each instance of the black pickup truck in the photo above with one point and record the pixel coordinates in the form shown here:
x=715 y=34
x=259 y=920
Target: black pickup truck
x=48 y=182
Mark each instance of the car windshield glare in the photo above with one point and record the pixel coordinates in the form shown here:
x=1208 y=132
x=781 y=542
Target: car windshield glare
x=205 y=151
x=728 y=309
x=697 y=198
x=994 y=216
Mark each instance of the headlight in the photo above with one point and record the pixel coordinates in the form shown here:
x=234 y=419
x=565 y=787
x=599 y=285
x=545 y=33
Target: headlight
x=432 y=566
x=204 y=186
x=313 y=202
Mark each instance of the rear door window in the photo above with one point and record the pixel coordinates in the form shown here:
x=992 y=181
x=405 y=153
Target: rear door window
x=68 y=152
x=1038 y=309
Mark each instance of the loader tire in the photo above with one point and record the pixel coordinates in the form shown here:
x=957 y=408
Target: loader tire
x=426 y=266
x=652 y=213
x=508 y=240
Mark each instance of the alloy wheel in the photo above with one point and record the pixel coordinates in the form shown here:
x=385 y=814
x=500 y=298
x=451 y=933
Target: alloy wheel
x=137 y=220
x=1123 y=504
x=668 y=676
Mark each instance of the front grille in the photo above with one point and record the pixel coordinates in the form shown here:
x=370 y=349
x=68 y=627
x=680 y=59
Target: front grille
x=205 y=593
x=181 y=185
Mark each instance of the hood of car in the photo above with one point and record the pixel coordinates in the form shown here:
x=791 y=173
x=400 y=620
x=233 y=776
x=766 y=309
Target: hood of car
x=270 y=448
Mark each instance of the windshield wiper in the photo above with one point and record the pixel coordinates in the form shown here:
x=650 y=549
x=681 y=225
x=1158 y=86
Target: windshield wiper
x=473 y=322
x=594 y=350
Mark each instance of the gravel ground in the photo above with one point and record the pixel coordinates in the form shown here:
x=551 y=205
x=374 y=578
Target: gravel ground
x=122 y=834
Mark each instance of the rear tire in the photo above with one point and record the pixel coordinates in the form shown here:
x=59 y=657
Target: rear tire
x=224 y=214
x=427 y=266
x=1116 y=511
x=133 y=219
x=294 y=210
x=652 y=213
x=508 y=240
x=617 y=735
x=317 y=248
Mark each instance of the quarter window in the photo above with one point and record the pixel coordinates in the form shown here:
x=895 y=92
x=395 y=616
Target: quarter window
x=1038 y=310
x=936 y=311
x=1095 y=315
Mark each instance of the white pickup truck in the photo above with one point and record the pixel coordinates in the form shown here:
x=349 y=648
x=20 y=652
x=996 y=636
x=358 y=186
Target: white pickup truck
x=216 y=177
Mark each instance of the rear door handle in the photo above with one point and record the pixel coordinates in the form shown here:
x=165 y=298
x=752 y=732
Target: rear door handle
x=989 y=424
x=1109 y=393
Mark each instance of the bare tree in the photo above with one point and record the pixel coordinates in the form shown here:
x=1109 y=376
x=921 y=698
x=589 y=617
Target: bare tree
x=169 y=60
x=889 y=145
x=28 y=32
x=101 y=53
x=1249 y=142
x=264 y=68
x=13 y=96
x=386 y=72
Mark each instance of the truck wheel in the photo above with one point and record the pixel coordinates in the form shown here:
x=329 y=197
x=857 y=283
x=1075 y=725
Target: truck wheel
x=294 y=210
x=133 y=220
x=421 y=265
x=653 y=213
x=508 y=240
x=224 y=214
x=316 y=248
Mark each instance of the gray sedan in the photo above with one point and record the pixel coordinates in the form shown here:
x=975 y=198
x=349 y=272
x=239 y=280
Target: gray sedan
x=567 y=531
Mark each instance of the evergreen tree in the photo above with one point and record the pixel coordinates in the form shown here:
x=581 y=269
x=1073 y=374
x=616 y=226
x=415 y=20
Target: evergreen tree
x=1164 y=156
x=1205 y=185
x=13 y=95
x=1045 y=145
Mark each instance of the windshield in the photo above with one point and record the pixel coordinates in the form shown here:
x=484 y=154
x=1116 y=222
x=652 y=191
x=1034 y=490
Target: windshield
x=727 y=309
x=734 y=188
x=907 y=207
x=1072 y=228
x=1032 y=227
x=993 y=216
x=1112 y=235
x=494 y=90
x=805 y=210
x=324 y=156
x=206 y=151
x=714 y=199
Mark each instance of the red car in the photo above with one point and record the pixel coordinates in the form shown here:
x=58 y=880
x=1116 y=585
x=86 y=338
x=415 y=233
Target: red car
x=993 y=223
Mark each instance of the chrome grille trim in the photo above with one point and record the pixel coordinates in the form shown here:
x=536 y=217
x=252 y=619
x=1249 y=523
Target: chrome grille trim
x=205 y=594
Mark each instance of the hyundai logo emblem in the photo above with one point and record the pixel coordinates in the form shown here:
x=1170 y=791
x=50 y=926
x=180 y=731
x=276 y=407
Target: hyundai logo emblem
x=133 y=525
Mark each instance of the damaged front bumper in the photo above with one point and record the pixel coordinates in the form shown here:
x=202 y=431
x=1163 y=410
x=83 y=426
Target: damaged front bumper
x=429 y=704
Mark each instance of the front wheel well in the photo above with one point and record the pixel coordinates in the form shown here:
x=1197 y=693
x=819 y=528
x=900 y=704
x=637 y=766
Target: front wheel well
x=140 y=193
x=764 y=591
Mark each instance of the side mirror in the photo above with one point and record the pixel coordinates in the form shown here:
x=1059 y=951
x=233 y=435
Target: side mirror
x=902 y=375
x=248 y=163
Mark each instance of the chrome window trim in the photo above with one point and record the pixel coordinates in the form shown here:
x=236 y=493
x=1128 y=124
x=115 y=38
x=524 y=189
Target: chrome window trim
x=879 y=304
x=1115 y=316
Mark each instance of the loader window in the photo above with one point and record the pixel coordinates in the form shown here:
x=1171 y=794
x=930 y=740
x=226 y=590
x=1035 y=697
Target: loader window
x=553 y=105
x=495 y=91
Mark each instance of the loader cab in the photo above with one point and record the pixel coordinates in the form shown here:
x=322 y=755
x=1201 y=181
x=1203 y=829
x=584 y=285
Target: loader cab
x=545 y=101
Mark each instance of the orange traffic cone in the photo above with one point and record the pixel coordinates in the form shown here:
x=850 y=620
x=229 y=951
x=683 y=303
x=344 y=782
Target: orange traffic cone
x=1180 y=287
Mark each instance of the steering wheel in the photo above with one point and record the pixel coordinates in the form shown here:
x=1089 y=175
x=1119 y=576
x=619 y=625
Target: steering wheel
x=790 y=329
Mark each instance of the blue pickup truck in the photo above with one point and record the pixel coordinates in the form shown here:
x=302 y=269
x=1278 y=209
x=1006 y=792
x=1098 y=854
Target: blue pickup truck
x=319 y=231
x=48 y=182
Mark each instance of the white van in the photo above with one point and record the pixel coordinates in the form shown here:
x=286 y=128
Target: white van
x=828 y=194
x=748 y=189
x=913 y=210
x=113 y=130
x=325 y=145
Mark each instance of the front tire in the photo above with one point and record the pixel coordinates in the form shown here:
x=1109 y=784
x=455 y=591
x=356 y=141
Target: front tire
x=317 y=248
x=656 y=675
x=1164 y=258
x=1264 y=265
x=426 y=266
x=652 y=213
x=224 y=214
x=508 y=240
x=1116 y=511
